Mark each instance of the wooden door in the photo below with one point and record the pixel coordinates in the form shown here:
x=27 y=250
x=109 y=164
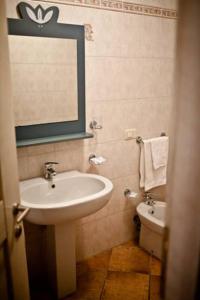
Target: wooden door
x=13 y=265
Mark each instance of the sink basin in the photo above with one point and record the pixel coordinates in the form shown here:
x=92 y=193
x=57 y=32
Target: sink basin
x=59 y=203
x=74 y=196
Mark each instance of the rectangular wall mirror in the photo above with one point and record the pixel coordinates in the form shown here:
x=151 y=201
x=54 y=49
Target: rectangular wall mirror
x=48 y=76
x=44 y=79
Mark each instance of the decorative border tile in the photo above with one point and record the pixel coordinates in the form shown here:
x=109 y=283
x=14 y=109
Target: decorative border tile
x=130 y=7
x=111 y=5
x=83 y=3
x=121 y=6
x=92 y=3
x=88 y=32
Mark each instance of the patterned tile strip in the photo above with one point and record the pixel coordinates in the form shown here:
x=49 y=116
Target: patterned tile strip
x=121 y=6
x=149 y=10
x=111 y=5
x=88 y=32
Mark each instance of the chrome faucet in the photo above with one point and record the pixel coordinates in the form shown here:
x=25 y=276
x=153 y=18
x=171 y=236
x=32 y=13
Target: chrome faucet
x=148 y=199
x=49 y=170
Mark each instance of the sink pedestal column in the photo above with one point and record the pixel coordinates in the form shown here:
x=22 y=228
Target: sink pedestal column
x=62 y=258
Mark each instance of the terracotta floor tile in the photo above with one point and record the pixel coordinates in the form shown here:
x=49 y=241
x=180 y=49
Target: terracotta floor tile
x=126 y=286
x=89 y=286
x=155 y=266
x=97 y=262
x=100 y=261
x=126 y=259
x=155 y=288
x=118 y=274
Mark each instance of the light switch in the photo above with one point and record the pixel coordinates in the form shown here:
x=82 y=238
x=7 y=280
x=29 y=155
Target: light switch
x=130 y=133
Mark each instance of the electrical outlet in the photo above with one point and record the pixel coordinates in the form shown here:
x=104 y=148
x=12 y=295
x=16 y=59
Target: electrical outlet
x=130 y=133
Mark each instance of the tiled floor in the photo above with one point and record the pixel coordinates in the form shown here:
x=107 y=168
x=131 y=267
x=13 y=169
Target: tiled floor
x=124 y=273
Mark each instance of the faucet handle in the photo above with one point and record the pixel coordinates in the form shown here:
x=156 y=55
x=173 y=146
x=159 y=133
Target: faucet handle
x=150 y=195
x=147 y=195
x=49 y=164
x=95 y=125
x=49 y=170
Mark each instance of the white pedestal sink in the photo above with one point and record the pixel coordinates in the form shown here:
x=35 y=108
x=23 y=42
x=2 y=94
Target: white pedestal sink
x=74 y=196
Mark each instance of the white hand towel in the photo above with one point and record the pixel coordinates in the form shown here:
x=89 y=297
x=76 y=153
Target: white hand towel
x=142 y=174
x=149 y=177
x=159 y=148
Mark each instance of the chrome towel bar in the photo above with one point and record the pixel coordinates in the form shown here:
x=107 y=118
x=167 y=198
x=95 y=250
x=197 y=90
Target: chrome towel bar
x=139 y=139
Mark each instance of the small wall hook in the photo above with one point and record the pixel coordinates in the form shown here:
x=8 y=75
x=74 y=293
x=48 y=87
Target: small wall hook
x=130 y=194
x=94 y=125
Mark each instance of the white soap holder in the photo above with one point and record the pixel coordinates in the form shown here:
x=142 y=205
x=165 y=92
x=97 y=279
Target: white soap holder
x=96 y=160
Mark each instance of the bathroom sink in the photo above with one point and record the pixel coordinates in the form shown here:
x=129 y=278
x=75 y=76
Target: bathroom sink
x=71 y=195
x=59 y=203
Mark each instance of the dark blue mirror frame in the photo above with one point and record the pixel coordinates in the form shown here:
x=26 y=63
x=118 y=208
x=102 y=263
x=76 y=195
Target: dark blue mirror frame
x=41 y=22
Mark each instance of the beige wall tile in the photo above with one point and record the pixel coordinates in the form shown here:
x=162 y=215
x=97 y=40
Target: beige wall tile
x=98 y=235
x=134 y=78
x=101 y=236
x=22 y=152
x=118 y=202
x=39 y=149
x=84 y=241
x=36 y=164
x=121 y=227
x=145 y=115
x=69 y=160
x=69 y=145
x=24 y=172
x=121 y=157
